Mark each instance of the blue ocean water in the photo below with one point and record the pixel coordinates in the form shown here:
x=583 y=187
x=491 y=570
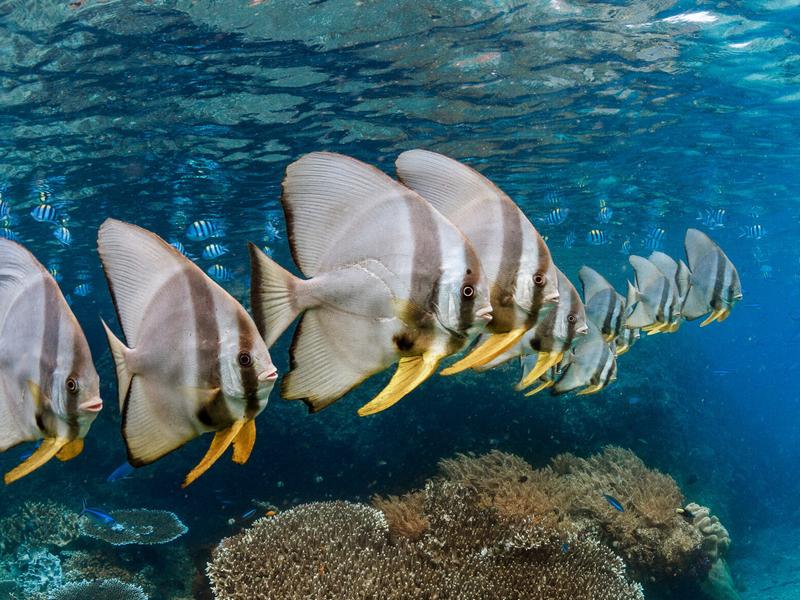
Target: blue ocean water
x=671 y=114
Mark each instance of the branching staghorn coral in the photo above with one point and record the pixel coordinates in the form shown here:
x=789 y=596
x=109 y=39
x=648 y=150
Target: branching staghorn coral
x=38 y=524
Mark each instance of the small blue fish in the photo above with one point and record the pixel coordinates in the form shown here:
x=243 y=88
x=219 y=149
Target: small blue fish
x=6 y=233
x=597 y=237
x=570 y=239
x=203 y=229
x=654 y=242
x=250 y=513
x=97 y=515
x=55 y=272
x=271 y=232
x=605 y=214
x=552 y=196
x=564 y=548
x=268 y=251
x=713 y=218
x=615 y=504
x=5 y=209
x=219 y=273
x=45 y=213
x=752 y=232
x=83 y=289
x=655 y=232
x=214 y=251
x=28 y=453
x=178 y=246
x=633 y=400
x=121 y=472
x=626 y=248
x=63 y=235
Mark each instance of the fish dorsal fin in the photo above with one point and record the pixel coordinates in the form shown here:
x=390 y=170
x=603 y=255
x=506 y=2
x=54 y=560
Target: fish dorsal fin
x=450 y=186
x=18 y=270
x=697 y=245
x=647 y=274
x=666 y=264
x=137 y=263
x=324 y=197
x=592 y=282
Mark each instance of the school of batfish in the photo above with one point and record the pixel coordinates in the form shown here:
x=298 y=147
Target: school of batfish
x=407 y=271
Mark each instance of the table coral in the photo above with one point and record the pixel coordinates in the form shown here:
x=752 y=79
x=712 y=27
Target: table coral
x=107 y=589
x=136 y=526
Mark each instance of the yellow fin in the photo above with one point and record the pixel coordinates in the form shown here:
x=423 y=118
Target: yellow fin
x=543 y=362
x=659 y=328
x=592 y=389
x=243 y=443
x=609 y=337
x=47 y=450
x=70 y=450
x=539 y=388
x=490 y=349
x=724 y=314
x=712 y=317
x=622 y=349
x=222 y=439
x=411 y=371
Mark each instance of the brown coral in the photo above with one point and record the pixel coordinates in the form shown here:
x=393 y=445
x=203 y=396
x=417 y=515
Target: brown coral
x=341 y=550
x=404 y=514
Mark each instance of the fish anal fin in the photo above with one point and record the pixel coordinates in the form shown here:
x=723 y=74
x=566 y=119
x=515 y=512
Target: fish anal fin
x=244 y=441
x=544 y=361
x=411 y=371
x=47 y=450
x=540 y=387
x=222 y=439
x=490 y=349
x=592 y=389
x=70 y=450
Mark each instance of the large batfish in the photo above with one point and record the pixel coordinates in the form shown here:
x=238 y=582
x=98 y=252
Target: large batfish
x=592 y=365
x=604 y=306
x=390 y=281
x=551 y=337
x=714 y=284
x=678 y=274
x=519 y=269
x=49 y=388
x=651 y=303
x=194 y=360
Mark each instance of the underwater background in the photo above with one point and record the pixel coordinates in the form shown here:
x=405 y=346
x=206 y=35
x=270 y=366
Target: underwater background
x=163 y=113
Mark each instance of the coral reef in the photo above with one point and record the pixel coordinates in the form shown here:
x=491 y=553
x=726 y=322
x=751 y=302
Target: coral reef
x=338 y=549
x=38 y=524
x=108 y=589
x=80 y=565
x=136 y=526
x=716 y=538
x=404 y=514
x=38 y=571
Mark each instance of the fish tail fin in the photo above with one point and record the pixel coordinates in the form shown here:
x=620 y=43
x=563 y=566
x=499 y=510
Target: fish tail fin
x=273 y=295
x=119 y=352
x=49 y=448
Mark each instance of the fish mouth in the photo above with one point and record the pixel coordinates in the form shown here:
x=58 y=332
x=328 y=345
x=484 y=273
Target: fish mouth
x=582 y=330
x=484 y=313
x=270 y=376
x=94 y=405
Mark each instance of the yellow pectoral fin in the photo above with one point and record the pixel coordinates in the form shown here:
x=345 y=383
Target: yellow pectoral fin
x=724 y=314
x=243 y=443
x=222 y=439
x=543 y=362
x=490 y=349
x=609 y=337
x=659 y=328
x=70 y=450
x=674 y=326
x=592 y=389
x=622 y=349
x=539 y=388
x=47 y=450
x=411 y=371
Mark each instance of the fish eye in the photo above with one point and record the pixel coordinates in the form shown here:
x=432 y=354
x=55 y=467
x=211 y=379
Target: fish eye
x=572 y=318
x=468 y=291
x=72 y=385
x=245 y=359
x=539 y=279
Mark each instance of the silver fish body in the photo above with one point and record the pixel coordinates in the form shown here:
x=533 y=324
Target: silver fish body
x=390 y=281
x=604 y=306
x=49 y=387
x=194 y=360
x=714 y=285
x=591 y=365
x=651 y=301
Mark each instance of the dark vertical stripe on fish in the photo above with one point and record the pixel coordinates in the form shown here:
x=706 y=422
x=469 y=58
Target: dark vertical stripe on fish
x=76 y=368
x=214 y=413
x=607 y=321
x=248 y=373
x=501 y=295
x=662 y=303
x=537 y=298
x=719 y=282
x=48 y=355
